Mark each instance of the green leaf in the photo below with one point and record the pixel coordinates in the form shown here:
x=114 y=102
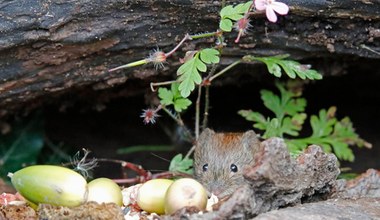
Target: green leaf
x=209 y=55
x=229 y=9
x=181 y=104
x=249 y=115
x=235 y=13
x=243 y=7
x=226 y=25
x=189 y=75
x=348 y=176
x=230 y=13
x=290 y=105
x=322 y=125
x=273 y=129
x=291 y=126
x=175 y=91
x=22 y=146
x=180 y=164
x=173 y=97
x=189 y=71
x=272 y=102
x=332 y=135
x=166 y=96
x=287 y=104
x=290 y=67
x=342 y=150
x=327 y=131
x=274 y=68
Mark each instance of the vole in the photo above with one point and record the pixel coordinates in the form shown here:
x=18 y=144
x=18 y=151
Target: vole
x=220 y=158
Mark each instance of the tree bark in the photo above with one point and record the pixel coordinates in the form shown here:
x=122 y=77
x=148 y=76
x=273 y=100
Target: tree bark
x=50 y=48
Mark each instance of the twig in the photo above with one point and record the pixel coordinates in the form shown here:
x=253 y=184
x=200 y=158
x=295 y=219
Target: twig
x=197 y=112
x=206 y=107
x=190 y=151
x=370 y=49
x=135 y=63
x=178 y=120
x=203 y=35
x=187 y=37
x=152 y=85
x=225 y=70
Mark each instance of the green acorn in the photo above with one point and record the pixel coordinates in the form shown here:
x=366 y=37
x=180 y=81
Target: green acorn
x=50 y=184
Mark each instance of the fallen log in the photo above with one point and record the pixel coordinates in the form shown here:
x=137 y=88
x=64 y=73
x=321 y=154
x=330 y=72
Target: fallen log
x=52 y=48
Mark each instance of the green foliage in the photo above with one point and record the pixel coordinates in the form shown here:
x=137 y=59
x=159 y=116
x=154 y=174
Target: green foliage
x=189 y=71
x=347 y=176
x=291 y=67
x=209 y=56
x=21 y=146
x=230 y=13
x=331 y=134
x=287 y=108
x=173 y=97
x=327 y=131
x=180 y=164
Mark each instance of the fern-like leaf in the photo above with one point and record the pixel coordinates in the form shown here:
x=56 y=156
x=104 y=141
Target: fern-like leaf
x=188 y=72
x=276 y=64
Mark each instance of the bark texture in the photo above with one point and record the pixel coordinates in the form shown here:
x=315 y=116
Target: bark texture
x=277 y=181
x=334 y=209
x=51 y=48
x=281 y=187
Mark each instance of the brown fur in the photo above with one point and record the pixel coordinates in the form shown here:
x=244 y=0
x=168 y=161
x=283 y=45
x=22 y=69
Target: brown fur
x=219 y=151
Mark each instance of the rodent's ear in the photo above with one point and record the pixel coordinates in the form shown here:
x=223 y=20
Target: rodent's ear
x=205 y=136
x=250 y=139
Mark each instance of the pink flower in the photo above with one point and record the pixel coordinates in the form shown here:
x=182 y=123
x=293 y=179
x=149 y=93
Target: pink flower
x=150 y=115
x=270 y=7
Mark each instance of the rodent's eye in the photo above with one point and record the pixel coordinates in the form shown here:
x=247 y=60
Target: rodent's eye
x=233 y=168
x=205 y=167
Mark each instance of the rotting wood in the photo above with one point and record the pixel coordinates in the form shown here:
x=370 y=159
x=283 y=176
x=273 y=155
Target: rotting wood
x=49 y=48
x=282 y=187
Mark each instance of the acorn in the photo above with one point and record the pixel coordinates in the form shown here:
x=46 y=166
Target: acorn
x=50 y=184
x=151 y=195
x=104 y=190
x=185 y=192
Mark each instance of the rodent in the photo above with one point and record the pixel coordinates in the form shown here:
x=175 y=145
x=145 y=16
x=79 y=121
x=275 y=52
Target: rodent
x=220 y=158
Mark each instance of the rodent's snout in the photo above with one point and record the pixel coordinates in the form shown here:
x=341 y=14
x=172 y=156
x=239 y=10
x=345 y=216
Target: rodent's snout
x=216 y=189
x=209 y=194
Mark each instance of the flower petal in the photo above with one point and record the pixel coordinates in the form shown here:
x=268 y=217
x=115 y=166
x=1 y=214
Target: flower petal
x=261 y=5
x=280 y=8
x=272 y=17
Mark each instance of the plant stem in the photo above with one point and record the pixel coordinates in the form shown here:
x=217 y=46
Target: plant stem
x=180 y=122
x=152 y=85
x=168 y=54
x=197 y=112
x=135 y=63
x=370 y=49
x=206 y=108
x=176 y=119
x=190 y=151
x=203 y=35
x=224 y=70
x=187 y=37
